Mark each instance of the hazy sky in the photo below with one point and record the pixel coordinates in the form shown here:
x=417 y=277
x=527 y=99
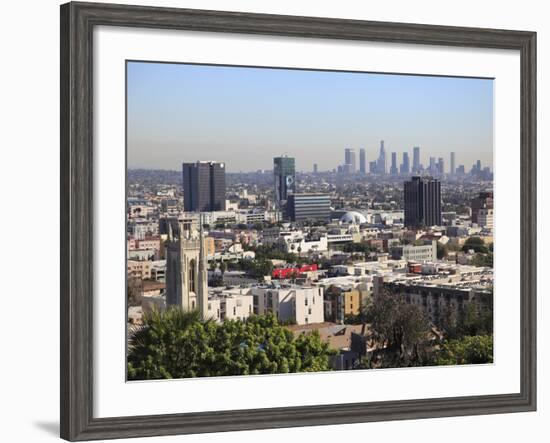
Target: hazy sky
x=246 y=116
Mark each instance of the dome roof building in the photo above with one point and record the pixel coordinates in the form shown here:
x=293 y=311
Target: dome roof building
x=353 y=217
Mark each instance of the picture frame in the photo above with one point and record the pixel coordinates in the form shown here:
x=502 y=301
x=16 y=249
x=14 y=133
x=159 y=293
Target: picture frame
x=78 y=21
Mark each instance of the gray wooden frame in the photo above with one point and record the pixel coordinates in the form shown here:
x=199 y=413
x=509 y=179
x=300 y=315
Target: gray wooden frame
x=77 y=24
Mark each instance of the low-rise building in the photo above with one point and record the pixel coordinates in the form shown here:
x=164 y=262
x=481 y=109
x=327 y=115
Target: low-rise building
x=438 y=301
x=341 y=303
x=158 y=270
x=139 y=268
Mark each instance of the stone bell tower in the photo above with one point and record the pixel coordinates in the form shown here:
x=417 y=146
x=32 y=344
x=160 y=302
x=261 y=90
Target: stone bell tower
x=186 y=267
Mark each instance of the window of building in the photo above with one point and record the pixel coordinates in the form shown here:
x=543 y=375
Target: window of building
x=192 y=276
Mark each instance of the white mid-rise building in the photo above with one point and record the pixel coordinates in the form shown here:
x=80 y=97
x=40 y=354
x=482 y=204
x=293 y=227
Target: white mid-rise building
x=299 y=304
x=230 y=304
x=485 y=218
x=422 y=253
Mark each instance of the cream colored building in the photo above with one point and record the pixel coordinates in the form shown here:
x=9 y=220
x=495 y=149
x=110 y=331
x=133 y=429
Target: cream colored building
x=139 y=268
x=186 y=268
x=421 y=253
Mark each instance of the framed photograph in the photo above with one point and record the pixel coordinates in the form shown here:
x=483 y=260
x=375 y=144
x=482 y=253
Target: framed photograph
x=272 y=221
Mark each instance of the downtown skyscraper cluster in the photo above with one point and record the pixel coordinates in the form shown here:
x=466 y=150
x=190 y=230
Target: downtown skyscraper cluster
x=436 y=166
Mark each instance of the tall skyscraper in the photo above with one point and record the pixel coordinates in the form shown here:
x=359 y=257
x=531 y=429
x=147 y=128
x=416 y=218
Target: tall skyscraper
x=416 y=159
x=440 y=166
x=422 y=202
x=432 y=168
x=362 y=161
x=453 y=170
x=373 y=165
x=203 y=186
x=285 y=177
x=349 y=160
x=393 y=168
x=315 y=168
x=406 y=165
x=381 y=165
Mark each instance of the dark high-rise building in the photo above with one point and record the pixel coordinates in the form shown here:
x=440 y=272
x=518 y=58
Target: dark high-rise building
x=422 y=202
x=315 y=168
x=349 y=160
x=285 y=176
x=461 y=170
x=416 y=159
x=203 y=186
x=393 y=167
x=406 y=165
x=301 y=207
x=372 y=167
x=453 y=170
x=381 y=166
x=362 y=161
x=478 y=166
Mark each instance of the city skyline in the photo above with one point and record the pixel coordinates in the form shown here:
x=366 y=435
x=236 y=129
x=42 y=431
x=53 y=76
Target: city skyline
x=176 y=110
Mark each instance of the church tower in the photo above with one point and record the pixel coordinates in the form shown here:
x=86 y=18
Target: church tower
x=186 y=267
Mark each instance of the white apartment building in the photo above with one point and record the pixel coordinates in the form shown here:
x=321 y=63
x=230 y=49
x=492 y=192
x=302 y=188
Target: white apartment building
x=298 y=243
x=140 y=210
x=299 y=304
x=341 y=238
x=485 y=218
x=422 y=253
x=230 y=304
x=249 y=217
x=140 y=229
x=142 y=254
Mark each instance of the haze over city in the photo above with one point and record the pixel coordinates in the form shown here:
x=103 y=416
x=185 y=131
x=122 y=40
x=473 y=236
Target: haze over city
x=246 y=116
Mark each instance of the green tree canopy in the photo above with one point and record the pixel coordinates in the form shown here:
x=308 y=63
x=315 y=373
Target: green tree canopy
x=178 y=344
x=359 y=247
x=400 y=329
x=442 y=251
x=473 y=319
x=275 y=252
x=477 y=244
x=468 y=350
x=483 y=260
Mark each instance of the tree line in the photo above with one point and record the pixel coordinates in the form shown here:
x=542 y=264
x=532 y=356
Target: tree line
x=178 y=344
